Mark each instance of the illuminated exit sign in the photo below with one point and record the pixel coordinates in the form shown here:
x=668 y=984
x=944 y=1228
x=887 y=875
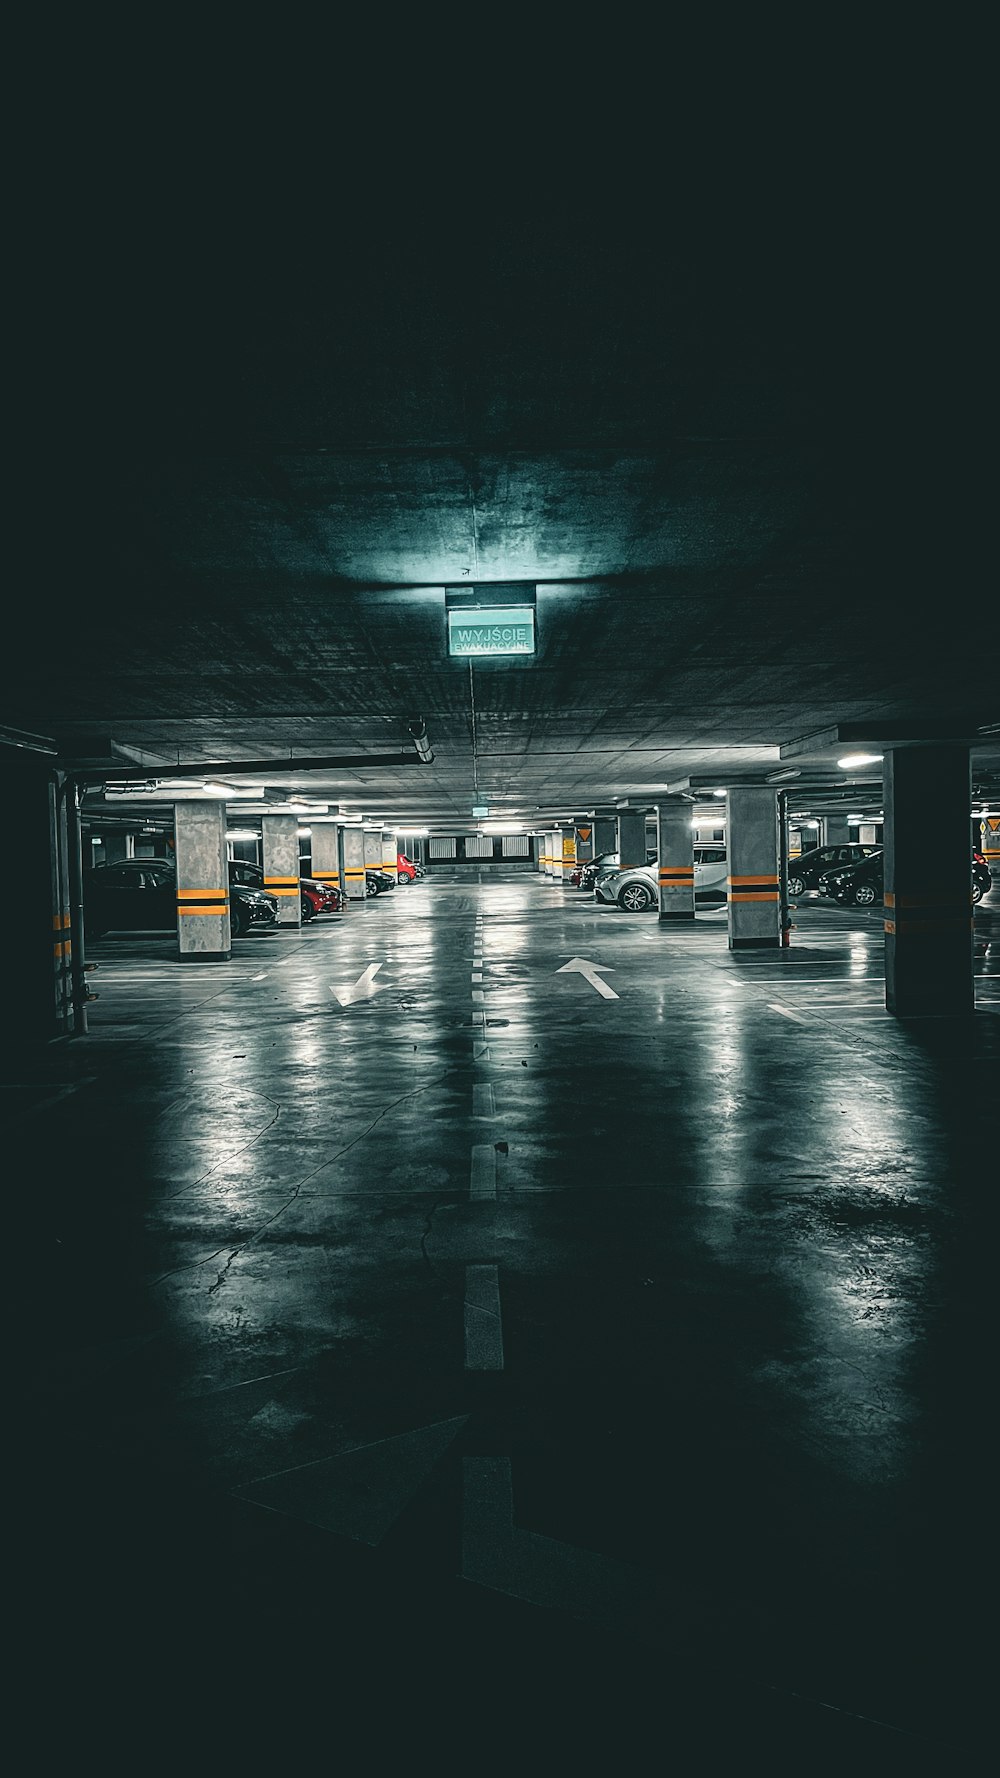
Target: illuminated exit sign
x=484 y=630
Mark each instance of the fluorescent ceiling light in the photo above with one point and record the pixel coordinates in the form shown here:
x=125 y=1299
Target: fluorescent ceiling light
x=214 y=789
x=241 y=833
x=304 y=833
x=718 y=793
x=859 y=759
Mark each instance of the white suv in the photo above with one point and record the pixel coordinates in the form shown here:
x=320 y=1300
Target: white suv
x=638 y=889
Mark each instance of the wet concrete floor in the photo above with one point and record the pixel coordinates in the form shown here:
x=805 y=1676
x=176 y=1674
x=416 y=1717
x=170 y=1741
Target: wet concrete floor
x=416 y=1334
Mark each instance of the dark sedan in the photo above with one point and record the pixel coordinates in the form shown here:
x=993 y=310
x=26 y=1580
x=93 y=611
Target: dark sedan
x=378 y=881
x=862 y=885
x=140 y=895
x=804 y=873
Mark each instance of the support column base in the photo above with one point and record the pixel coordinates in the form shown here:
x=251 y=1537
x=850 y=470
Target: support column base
x=928 y=1011
x=687 y=914
x=930 y=978
x=204 y=956
x=755 y=944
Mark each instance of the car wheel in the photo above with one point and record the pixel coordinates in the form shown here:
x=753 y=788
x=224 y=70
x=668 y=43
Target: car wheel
x=238 y=920
x=865 y=894
x=371 y=889
x=308 y=911
x=403 y=881
x=977 y=892
x=796 y=886
x=635 y=899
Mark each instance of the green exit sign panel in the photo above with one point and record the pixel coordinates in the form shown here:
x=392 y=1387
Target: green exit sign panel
x=505 y=629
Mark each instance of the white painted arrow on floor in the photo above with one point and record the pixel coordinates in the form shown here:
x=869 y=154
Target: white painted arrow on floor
x=580 y=966
x=363 y=988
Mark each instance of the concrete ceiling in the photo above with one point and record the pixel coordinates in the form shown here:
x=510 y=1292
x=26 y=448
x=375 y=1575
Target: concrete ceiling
x=696 y=451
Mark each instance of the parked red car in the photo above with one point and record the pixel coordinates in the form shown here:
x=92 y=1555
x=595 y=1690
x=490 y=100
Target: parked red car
x=406 y=870
x=325 y=898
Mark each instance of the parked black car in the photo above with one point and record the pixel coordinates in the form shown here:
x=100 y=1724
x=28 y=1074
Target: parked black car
x=140 y=895
x=804 y=872
x=598 y=867
x=378 y=881
x=863 y=884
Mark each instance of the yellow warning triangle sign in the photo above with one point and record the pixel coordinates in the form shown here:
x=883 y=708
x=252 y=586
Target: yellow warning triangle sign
x=584 y=832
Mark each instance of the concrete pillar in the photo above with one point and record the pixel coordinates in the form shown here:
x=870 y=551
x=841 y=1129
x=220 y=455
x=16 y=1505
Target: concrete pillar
x=989 y=841
x=67 y=1022
x=836 y=831
x=390 y=852
x=675 y=852
x=354 y=864
x=373 y=850
x=116 y=846
x=753 y=854
x=38 y=957
x=605 y=835
x=280 y=834
x=928 y=889
x=631 y=840
x=539 y=842
x=326 y=852
x=203 y=928
x=566 y=856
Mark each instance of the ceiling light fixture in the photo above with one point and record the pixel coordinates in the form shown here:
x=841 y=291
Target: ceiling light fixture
x=859 y=759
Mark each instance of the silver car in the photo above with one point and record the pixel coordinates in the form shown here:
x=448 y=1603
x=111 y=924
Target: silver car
x=637 y=889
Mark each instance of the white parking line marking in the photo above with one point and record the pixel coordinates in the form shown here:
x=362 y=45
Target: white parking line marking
x=262 y=977
x=478 y=997
x=482 y=1100
x=483 y=1327
x=785 y=1013
x=477 y=980
x=483 y=1174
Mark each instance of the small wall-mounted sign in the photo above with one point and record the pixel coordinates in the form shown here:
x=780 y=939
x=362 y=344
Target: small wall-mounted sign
x=480 y=808
x=491 y=630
